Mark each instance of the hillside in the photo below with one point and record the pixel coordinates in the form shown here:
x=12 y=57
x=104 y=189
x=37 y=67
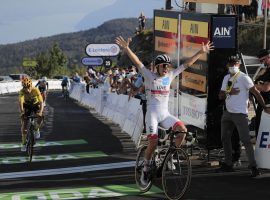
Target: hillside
x=72 y=44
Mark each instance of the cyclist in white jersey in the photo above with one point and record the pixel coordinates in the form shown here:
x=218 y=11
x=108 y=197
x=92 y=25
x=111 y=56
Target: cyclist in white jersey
x=157 y=86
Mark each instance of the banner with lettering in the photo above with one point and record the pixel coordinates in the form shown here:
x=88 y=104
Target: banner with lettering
x=193 y=110
x=262 y=150
x=224 y=32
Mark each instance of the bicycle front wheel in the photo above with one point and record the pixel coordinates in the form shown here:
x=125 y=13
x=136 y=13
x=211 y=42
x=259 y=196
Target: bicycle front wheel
x=176 y=174
x=30 y=145
x=138 y=170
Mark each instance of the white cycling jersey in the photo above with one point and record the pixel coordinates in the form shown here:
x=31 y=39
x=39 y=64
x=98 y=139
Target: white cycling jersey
x=158 y=88
x=157 y=94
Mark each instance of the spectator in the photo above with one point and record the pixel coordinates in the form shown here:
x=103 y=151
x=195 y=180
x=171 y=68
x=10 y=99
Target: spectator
x=254 y=10
x=265 y=5
x=76 y=78
x=235 y=90
x=262 y=83
x=87 y=80
x=142 y=20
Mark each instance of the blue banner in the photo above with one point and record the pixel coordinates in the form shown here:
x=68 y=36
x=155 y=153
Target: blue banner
x=92 y=61
x=224 y=32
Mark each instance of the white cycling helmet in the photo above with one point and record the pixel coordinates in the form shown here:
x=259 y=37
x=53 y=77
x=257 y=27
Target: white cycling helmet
x=44 y=78
x=162 y=59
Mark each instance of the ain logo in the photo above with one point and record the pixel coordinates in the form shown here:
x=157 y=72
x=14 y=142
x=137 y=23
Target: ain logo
x=223 y=31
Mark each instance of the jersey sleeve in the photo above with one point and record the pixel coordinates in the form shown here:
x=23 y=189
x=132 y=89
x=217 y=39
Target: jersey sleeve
x=177 y=71
x=224 y=83
x=147 y=74
x=39 y=96
x=21 y=96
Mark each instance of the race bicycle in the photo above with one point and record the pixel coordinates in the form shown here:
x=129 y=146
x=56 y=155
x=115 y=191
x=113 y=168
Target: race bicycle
x=170 y=163
x=30 y=139
x=65 y=93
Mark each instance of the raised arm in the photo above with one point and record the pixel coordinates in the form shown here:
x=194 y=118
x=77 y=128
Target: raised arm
x=125 y=46
x=205 y=49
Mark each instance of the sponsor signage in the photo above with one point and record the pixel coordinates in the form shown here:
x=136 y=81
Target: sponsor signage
x=190 y=48
x=224 y=32
x=195 y=28
x=107 y=62
x=262 y=150
x=29 y=63
x=166 y=24
x=165 y=45
x=193 y=110
x=236 y=2
x=194 y=81
x=102 y=50
x=92 y=61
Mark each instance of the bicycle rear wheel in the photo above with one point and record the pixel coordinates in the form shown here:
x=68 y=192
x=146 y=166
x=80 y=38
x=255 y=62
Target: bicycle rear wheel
x=176 y=174
x=138 y=170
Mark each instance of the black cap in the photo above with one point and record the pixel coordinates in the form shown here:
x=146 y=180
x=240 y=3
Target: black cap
x=263 y=53
x=234 y=58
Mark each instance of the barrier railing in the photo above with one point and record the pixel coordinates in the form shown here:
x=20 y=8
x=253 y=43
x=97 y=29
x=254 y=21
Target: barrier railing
x=117 y=108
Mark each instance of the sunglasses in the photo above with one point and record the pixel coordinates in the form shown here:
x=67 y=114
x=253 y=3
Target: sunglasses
x=164 y=65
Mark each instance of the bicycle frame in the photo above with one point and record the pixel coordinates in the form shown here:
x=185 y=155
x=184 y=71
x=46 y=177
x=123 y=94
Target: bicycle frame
x=30 y=136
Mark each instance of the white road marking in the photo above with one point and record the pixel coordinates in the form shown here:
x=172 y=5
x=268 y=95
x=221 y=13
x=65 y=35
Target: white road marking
x=68 y=170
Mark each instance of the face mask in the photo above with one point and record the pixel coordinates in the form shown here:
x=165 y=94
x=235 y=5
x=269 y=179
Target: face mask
x=233 y=70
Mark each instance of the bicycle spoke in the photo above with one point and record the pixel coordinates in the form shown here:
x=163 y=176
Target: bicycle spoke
x=138 y=170
x=176 y=174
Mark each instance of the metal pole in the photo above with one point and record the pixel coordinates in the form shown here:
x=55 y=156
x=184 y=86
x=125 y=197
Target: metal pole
x=265 y=24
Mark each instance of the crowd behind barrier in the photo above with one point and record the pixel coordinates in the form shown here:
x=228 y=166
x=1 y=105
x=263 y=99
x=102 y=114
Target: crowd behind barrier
x=14 y=86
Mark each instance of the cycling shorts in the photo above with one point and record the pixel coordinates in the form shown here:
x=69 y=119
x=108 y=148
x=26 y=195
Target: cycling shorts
x=42 y=89
x=31 y=108
x=158 y=116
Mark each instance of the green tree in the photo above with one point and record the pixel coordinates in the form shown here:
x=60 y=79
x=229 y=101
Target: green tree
x=57 y=61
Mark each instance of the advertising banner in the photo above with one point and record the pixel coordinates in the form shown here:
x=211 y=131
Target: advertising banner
x=166 y=24
x=165 y=45
x=92 y=61
x=224 y=32
x=194 y=81
x=102 y=50
x=29 y=63
x=262 y=150
x=194 y=28
x=193 y=110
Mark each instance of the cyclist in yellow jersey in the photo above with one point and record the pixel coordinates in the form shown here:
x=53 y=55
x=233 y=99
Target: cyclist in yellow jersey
x=30 y=100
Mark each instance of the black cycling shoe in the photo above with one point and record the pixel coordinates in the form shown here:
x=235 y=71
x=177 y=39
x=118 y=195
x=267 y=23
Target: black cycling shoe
x=145 y=177
x=255 y=172
x=225 y=168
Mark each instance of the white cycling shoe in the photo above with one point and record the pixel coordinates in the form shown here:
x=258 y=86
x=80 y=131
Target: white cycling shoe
x=170 y=165
x=23 y=147
x=37 y=134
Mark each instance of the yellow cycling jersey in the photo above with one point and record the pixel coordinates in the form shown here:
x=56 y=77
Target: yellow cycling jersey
x=31 y=98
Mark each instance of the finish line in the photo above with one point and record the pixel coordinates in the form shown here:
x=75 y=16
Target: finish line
x=68 y=170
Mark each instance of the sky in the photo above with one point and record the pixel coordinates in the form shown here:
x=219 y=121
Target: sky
x=22 y=20
x=28 y=19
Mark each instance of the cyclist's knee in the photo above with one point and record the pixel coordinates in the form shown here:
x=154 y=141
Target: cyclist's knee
x=153 y=139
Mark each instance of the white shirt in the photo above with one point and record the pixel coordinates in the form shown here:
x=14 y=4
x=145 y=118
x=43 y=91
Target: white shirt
x=158 y=88
x=238 y=103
